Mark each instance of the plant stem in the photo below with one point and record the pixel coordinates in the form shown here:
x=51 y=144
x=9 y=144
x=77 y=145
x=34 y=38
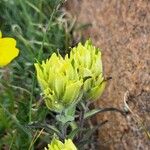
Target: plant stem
x=81 y=123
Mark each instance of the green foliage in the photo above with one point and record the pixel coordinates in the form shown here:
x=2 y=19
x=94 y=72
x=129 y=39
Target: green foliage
x=40 y=29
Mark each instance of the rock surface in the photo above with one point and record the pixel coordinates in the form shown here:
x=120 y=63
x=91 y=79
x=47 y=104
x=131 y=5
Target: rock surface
x=121 y=28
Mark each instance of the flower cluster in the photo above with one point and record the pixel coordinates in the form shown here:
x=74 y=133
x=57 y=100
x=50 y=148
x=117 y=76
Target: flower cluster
x=87 y=60
x=8 y=50
x=58 y=145
x=63 y=80
x=59 y=81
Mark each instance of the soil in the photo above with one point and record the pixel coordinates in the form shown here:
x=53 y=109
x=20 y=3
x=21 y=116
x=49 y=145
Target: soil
x=121 y=28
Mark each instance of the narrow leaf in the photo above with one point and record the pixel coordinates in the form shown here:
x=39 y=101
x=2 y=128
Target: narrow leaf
x=100 y=110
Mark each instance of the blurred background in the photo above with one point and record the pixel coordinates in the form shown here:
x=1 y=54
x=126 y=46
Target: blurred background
x=122 y=30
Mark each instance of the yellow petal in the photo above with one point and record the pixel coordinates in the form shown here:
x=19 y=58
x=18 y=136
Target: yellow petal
x=72 y=92
x=7 y=42
x=8 y=50
x=0 y=34
x=7 y=54
x=59 y=82
x=69 y=145
x=97 y=91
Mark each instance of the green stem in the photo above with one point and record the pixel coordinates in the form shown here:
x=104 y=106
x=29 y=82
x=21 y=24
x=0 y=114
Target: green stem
x=31 y=99
x=81 y=123
x=63 y=131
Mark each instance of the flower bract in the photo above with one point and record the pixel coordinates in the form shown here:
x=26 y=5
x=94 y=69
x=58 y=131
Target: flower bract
x=63 y=80
x=87 y=60
x=59 y=82
x=58 y=145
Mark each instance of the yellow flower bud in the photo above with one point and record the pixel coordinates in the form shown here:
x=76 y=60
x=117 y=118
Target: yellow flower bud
x=87 y=60
x=58 y=145
x=61 y=79
x=59 y=82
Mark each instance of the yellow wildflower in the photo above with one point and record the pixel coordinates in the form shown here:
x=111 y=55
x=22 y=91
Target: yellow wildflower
x=64 y=80
x=58 y=145
x=8 y=50
x=87 y=60
x=59 y=82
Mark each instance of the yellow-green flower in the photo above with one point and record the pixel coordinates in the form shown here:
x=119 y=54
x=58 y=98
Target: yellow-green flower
x=87 y=60
x=8 y=50
x=59 y=82
x=58 y=145
x=61 y=79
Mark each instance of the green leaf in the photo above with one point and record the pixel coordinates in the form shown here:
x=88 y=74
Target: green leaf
x=23 y=110
x=49 y=128
x=67 y=115
x=100 y=110
x=64 y=118
x=73 y=133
